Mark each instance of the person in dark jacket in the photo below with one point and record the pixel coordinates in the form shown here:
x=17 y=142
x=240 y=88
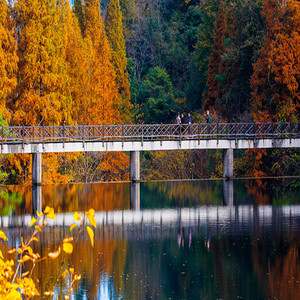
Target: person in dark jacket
x=207 y=117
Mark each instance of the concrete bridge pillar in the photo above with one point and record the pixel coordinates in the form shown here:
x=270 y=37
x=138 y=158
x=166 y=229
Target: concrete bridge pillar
x=36 y=168
x=228 y=163
x=134 y=166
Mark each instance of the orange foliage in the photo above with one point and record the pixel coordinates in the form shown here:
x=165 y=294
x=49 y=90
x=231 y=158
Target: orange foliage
x=42 y=70
x=103 y=90
x=276 y=77
x=8 y=59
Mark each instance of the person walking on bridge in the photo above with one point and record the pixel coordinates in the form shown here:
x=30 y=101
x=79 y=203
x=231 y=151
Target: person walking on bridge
x=207 y=117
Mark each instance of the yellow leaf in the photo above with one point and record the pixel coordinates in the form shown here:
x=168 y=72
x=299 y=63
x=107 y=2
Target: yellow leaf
x=24 y=259
x=73 y=226
x=39 y=214
x=3 y=236
x=77 y=277
x=91 y=212
x=68 y=239
x=11 y=251
x=91 y=234
x=25 y=274
x=92 y=220
x=33 y=221
x=49 y=293
x=35 y=239
x=77 y=216
x=68 y=248
x=1 y=255
x=51 y=214
x=38 y=228
x=53 y=255
x=47 y=210
x=71 y=270
x=67 y=297
x=64 y=274
x=13 y=295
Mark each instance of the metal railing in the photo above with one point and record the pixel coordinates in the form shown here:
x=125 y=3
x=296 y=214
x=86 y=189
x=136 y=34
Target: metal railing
x=143 y=132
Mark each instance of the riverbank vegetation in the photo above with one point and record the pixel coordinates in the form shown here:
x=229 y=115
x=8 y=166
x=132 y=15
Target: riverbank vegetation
x=126 y=61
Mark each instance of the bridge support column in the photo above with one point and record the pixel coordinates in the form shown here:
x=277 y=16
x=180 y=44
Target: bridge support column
x=228 y=163
x=36 y=168
x=134 y=166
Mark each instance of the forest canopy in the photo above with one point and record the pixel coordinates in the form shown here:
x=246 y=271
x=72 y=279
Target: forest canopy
x=126 y=61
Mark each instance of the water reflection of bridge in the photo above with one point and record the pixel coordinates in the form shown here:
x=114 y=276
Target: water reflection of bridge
x=206 y=219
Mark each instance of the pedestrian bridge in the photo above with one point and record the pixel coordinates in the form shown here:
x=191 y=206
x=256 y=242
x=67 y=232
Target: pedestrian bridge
x=141 y=137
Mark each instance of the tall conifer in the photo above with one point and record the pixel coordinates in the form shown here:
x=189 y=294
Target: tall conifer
x=78 y=10
x=8 y=59
x=114 y=32
x=276 y=78
x=215 y=62
x=103 y=93
x=42 y=69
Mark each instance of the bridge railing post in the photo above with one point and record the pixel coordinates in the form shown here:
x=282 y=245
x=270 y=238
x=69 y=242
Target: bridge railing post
x=23 y=136
x=217 y=133
x=2 y=138
x=199 y=133
x=161 y=133
x=142 y=134
x=103 y=135
x=64 y=135
x=43 y=136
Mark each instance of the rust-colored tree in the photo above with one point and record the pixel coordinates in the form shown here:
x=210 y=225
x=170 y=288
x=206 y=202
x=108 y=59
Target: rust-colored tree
x=214 y=76
x=276 y=78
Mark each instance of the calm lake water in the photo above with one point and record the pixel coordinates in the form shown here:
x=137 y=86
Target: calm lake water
x=168 y=240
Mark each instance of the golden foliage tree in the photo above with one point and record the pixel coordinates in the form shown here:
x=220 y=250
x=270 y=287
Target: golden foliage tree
x=103 y=89
x=114 y=32
x=8 y=58
x=276 y=78
x=41 y=96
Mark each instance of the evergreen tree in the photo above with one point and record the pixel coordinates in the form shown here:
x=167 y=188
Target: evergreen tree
x=8 y=59
x=114 y=32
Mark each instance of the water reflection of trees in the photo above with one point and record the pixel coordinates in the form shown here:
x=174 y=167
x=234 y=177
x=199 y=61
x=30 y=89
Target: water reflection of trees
x=177 y=193
x=278 y=270
x=76 y=197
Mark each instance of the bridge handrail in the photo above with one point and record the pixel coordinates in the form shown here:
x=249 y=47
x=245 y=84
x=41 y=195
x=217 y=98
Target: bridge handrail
x=125 y=132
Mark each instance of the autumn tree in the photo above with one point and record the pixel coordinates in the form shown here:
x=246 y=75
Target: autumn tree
x=78 y=10
x=42 y=76
x=8 y=59
x=114 y=32
x=214 y=75
x=276 y=78
x=104 y=92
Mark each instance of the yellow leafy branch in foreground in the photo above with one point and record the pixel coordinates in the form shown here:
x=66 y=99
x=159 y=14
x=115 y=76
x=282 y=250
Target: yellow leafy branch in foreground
x=24 y=287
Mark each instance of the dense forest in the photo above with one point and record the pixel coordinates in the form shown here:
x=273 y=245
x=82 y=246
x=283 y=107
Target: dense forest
x=142 y=61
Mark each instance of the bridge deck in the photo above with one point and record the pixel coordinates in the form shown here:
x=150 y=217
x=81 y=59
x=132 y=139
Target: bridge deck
x=28 y=139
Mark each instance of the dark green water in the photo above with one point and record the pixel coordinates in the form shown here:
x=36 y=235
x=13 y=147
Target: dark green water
x=176 y=240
